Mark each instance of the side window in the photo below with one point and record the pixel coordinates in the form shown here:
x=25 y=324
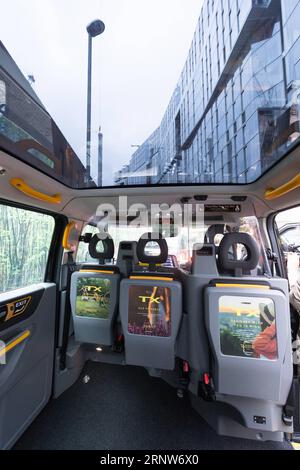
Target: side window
x=83 y=255
x=288 y=223
x=25 y=240
x=2 y=96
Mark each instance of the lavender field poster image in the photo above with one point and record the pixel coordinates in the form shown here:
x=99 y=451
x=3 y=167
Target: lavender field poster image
x=149 y=311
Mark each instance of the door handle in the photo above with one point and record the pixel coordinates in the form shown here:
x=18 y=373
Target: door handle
x=14 y=342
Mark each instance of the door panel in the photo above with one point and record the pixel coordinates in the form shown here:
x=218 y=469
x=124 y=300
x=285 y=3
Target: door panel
x=27 y=330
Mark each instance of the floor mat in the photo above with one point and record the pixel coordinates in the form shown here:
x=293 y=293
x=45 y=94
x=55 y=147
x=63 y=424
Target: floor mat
x=123 y=408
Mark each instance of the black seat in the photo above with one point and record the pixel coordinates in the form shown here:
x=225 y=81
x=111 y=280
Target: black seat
x=105 y=254
x=150 y=264
x=127 y=257
x=213 y=230
x=228 y=264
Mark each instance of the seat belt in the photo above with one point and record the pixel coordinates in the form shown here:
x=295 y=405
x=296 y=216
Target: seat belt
x=290 y=408
x=273 y=261
x=72 y=267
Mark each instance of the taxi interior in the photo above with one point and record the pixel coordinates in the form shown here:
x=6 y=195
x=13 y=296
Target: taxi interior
x=49 y=344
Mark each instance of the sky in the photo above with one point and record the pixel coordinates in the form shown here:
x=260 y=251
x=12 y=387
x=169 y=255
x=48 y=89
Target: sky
x=136 y=65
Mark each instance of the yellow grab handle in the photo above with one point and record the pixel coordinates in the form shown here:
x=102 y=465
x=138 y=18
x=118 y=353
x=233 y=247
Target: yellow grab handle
x=65 y=242
x=286 y=188
x=12 y=344
x=20 y=184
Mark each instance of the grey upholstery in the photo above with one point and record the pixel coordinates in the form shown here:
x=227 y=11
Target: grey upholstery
x=95 y=296
x=127 y=257
x=151 y=312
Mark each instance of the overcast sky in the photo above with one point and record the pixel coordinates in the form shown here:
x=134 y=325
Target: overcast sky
x=137 y=63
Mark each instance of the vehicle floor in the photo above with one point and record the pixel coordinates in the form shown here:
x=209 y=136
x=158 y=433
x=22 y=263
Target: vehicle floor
x=123 y=408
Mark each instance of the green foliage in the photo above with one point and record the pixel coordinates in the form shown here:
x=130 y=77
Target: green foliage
x=103 y=284
x=230 y=344
x=25 y=239
x=91 y=309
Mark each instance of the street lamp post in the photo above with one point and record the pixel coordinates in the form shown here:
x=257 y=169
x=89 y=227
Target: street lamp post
x=94 y=29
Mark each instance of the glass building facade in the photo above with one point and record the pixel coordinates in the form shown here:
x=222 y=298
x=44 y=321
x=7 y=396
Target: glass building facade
x=235 y=110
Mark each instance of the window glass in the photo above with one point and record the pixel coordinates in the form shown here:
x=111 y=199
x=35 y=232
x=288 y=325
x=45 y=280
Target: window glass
x=83 y=255
x=2 y=95
x=216 y=113
x=288 y=223
x=182 y=243
x=25 y=240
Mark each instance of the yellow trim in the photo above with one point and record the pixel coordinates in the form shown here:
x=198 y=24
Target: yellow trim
x=14 y=343
x=151 y=278
x=243 y=286
x=20 y=185
x=65 y=242
x=12 y=305
x=96 y=271
x=295 y=445
x=294 y=183
x=145 y=265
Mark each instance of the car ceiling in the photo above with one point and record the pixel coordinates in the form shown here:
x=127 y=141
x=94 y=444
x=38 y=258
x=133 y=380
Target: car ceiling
x=82 y=204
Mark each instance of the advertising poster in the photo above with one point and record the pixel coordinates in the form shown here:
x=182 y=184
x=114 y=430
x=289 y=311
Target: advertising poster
x=149 y=311
x=248 y=327
x=93 y=297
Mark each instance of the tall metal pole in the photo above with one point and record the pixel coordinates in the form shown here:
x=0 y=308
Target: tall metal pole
x=89 y=110
x=100 y=157
x=94 y=29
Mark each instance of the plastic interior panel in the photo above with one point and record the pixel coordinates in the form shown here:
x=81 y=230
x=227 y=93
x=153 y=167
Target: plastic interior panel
x=252 y=377
x=146 y=350
x=97 y=310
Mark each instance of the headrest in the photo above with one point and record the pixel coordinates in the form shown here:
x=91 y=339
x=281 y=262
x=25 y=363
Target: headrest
x=213 y=230
x=107 y=248
x=152 y=259
x=238 y=267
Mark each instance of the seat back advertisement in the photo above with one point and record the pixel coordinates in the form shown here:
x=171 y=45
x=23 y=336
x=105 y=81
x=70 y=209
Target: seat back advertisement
x=248 y=327
x=93 y=298
x=149 y=311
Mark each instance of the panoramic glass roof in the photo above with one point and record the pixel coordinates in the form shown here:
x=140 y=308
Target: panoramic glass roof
x=141 y=98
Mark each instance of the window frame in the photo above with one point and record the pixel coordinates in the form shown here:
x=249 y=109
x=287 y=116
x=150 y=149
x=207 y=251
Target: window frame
x=55 y=254
x=276 y=247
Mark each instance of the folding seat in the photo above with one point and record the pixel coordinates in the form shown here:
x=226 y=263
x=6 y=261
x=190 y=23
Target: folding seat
x=95 y=295
x=151 y=309
x=248 y=324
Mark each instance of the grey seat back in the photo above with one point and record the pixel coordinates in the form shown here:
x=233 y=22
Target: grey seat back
x=127 y=257
x=248 y=324
x=95 y=296
x=151 y=311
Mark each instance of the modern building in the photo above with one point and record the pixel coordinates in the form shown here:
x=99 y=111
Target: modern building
x=144 y=163
x=235 y=109
x=28 y=131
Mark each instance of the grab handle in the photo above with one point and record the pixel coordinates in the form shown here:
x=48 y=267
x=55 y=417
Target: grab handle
x=20 y=184
x=286 y=188
x=14 y=342
x=65 y=243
